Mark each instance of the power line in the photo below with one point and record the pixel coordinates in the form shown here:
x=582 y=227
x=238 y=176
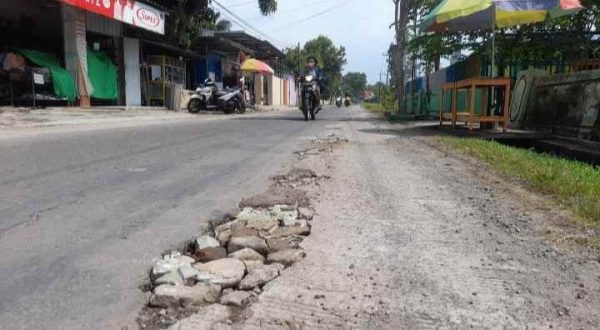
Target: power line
x=239 y=4
x=314 y=15
x=306 y=5
x=243 y=23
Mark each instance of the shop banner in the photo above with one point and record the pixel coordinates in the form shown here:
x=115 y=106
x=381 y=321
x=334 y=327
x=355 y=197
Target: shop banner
x=128 y=11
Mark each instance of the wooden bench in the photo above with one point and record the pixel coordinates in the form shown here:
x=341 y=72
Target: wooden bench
x=468 y=115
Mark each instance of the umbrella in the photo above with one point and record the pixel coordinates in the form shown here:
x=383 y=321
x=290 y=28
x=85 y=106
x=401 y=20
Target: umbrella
x=255 y=66
x=465 y=15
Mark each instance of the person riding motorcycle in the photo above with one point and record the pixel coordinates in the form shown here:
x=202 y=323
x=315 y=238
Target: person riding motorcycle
x=312 y=68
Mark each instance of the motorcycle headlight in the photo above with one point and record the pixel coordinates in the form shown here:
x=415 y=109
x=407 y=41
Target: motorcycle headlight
x=309 y=78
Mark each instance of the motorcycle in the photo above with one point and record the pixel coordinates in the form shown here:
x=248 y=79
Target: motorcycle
x=209 y=97
x=347 y=101
x=309 y=96
x=338 y=101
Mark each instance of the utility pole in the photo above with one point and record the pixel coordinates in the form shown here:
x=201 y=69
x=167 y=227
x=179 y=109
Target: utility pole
x=400 y=23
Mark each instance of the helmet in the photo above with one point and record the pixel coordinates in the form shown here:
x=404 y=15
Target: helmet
x=313 y=58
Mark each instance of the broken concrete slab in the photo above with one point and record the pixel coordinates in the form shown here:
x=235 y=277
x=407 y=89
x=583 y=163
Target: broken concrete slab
x=260 y=276
x=253 y=242
x=206 y=318
x=263 y=225
x=286 y=257
x=285 y=213
x=238 y=298
x=187 y=272
x=244 y=231
x=305 y=213
x=290 y=231
x=224 y=272
x=206 y=241
x=252 y=214
x=211 y=254
x=253 y=264
x=247 y=254
x=167 y=296
x=282 y=243
x=170 y=262
x=276 y=195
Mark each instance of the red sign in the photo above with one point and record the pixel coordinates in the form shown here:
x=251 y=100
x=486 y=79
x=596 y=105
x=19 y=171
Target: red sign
x=127 y=11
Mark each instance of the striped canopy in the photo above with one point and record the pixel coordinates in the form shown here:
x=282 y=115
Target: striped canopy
x=255 y=66
x=467 y=15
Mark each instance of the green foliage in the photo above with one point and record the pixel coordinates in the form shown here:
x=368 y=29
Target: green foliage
x=565 y=39
x=355 y=83
x=331 y=58
x=191 y=16
x=572 y=184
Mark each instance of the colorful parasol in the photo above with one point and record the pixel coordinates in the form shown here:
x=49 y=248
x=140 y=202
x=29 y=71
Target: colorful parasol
x=469 y=15
x=465 y=15
x=255 y=66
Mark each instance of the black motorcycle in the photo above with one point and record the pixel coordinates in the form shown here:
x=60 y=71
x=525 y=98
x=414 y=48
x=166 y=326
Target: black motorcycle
x=309 y=96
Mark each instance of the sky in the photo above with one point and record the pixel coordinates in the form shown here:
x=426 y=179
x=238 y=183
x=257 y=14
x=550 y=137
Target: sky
x=361 y=26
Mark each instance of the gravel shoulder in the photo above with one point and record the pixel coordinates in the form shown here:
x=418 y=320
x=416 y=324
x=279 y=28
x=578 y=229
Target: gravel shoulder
x=409 y=236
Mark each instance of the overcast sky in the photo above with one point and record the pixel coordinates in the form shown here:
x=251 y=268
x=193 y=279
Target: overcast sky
x=360 y=26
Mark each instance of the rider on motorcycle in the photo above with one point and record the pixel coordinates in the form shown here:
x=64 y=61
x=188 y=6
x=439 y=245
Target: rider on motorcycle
x=312 y=68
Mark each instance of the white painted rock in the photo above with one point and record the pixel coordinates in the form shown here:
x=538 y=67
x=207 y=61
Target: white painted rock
x=170 y=278
x=286 y=257
x=224 y=272
x=260 y=276
x=247 y=254
x=169 y=263
x=253 y=242
x=166 y=296
x=284 y=213
x=206 y=241
x=238 y=298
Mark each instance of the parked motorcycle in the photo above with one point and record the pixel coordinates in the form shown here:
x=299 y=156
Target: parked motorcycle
x=309 y=96
x=209 y=97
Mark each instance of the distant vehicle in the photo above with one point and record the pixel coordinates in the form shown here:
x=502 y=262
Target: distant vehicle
x=338 y=101
x=347 y=100
x=208 y=96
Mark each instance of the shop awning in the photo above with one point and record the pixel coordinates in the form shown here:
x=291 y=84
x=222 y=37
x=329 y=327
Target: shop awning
x=173 y=49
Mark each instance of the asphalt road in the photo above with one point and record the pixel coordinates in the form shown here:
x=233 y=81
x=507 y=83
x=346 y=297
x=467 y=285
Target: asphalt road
x=83 y=213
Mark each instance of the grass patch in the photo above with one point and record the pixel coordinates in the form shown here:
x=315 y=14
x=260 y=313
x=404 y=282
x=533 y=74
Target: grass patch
x=572 y=184
x=376 y=108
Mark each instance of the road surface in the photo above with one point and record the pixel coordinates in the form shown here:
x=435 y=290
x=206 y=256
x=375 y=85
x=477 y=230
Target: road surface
x=84 y=212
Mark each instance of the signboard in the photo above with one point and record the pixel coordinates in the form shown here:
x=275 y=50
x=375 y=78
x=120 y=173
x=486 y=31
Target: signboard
x=38 y=79
x=128 y=11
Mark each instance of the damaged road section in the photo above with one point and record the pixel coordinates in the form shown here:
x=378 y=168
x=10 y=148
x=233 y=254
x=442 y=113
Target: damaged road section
x=235 y=257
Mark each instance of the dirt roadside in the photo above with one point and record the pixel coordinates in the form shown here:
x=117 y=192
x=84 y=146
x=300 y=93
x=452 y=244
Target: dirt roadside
x=407 y=236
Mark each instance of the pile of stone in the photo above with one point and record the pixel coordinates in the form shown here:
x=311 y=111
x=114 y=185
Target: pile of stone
x=232 y=261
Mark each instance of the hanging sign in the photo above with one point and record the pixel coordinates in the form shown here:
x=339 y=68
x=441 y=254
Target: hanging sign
x=38 y=79
x=128 y=11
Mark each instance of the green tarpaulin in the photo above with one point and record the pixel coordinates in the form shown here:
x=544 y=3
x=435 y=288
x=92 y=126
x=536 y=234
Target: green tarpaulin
x=64 y=85
x=103 y=75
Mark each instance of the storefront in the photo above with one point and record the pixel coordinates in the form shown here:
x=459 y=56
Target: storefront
x=75 y=51
x=104 y=60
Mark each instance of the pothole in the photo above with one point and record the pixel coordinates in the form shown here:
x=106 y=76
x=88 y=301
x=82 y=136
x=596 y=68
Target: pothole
x=225 y=269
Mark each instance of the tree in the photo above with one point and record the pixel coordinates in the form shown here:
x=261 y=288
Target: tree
x=401 y=8
x=190 y=16
x=331 y=59
x=355 y=83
